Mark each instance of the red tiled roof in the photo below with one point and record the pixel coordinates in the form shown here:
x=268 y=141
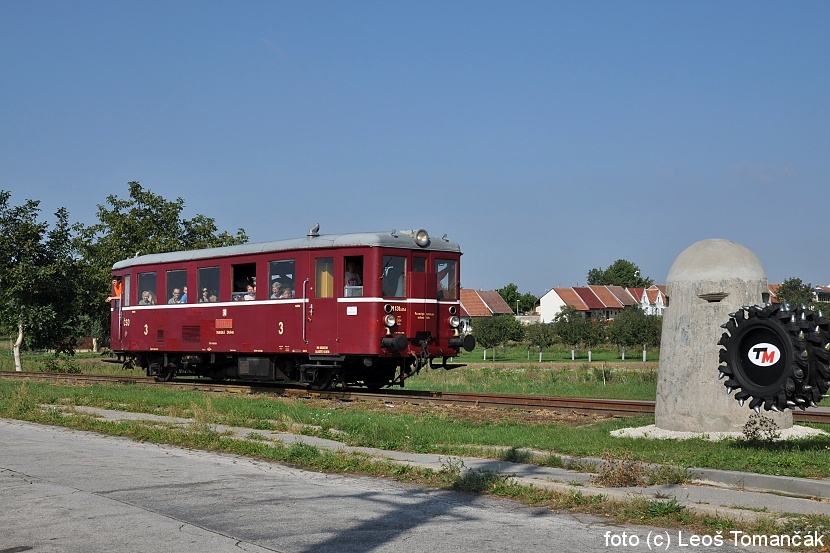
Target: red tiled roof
x=590 y=299
x=571 y=298
x=625 y=297
x=484 y=303
x=473 y=304
x=495 y=302
x=607 y=297
x=637 y=293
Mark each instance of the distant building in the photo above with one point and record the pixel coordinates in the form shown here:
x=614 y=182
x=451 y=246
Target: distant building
x=602 y=302
x=481 y=303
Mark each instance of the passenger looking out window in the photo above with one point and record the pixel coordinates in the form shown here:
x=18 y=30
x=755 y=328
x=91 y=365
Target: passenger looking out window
x=147 y=298
x=116 y=290
x=353 y=277
x=176 y=297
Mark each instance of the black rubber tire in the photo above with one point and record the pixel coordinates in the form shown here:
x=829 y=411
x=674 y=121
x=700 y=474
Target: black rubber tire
x=776 y=357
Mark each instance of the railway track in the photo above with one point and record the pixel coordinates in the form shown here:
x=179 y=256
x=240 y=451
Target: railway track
x=602 y=407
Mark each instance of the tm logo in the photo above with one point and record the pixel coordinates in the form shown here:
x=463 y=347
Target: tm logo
x=764 y=355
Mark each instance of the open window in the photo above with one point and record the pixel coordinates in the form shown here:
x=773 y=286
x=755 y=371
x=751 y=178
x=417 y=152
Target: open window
x=208 y=284
x=177 y=286
x=281 y=279
x=243 y=277
x=147 y=289
x=353 y=276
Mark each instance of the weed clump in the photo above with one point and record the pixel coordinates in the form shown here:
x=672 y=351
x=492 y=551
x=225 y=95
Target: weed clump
x=760 y=430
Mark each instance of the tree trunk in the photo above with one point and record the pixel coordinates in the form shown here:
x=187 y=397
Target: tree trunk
x=17 y=343
x=95 y=344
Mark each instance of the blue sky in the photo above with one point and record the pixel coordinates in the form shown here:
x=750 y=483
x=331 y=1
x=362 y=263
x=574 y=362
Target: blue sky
x=547 y=138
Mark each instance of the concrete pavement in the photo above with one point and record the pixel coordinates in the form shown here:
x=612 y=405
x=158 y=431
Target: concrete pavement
x=68 y=491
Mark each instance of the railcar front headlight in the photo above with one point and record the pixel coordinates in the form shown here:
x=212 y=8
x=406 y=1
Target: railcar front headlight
x=422 y=238
x=455 y=321
x=389 y=320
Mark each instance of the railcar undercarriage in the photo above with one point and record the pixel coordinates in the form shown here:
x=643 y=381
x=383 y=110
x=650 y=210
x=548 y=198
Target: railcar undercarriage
x=318 y=372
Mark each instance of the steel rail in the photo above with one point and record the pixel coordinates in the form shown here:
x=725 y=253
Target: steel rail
x=606 y=407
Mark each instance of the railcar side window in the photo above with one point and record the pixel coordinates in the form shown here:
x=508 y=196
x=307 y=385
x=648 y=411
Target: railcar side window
x=243 y=277
x=324 y=271
x=281 y=279
x=393 y=276
x=176 y=287
x=353 y=276
x=447 y=271
x=208 y=284
x=126 y=296
x=147 y=288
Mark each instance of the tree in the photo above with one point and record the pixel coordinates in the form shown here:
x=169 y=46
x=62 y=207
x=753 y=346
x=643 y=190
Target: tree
x=497 y=330
x=570 y=326
x=795 y=292
x=621 y=273
x=145 y=223
x=540 y=335
x=526 y=302
x=630 y=328
x=38 y=277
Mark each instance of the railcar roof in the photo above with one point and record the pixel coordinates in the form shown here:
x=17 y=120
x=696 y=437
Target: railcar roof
x=404 y=239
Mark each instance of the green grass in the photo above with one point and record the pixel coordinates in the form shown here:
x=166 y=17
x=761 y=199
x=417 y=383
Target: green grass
x=449 y=432
x=595 y=380
x=442 y=431
x=522 y=353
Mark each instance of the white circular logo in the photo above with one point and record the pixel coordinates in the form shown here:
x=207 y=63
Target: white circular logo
x=764 y=354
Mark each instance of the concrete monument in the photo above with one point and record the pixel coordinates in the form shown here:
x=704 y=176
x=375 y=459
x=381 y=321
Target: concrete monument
x=708 y=281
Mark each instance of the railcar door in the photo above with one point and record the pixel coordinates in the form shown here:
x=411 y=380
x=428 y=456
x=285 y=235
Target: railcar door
x=423 y=294
x=119 y=327
x=320 y=305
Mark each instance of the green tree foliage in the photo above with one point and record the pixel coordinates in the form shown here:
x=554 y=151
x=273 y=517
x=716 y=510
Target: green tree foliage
x=795 y=292
x=144 y=223
x=620 y=273
x=526 y=302
x=633 y=328
x=570 y=326
x=540 y=336
x=38 y=277
x=491 y=332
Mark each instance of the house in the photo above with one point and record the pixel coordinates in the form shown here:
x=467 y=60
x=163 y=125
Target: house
x=481 y=303
x=602 y=302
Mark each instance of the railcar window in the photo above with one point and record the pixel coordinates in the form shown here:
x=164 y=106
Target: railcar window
x=126 y=295
x=324 y=271
x=281 y=279
x=177 y=286
x=243 y=277
x=353 y=276
x=447 y=271
x=147 y=288
x=393 y=276
x=208 y=284
x=419 y=264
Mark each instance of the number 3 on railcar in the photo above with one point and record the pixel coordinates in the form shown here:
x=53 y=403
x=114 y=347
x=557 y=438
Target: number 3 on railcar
x=365 y=309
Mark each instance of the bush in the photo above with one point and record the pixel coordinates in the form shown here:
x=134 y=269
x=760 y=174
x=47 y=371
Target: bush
x=60 y=364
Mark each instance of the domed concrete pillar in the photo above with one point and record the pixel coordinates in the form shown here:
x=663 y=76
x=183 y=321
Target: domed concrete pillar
x=708 y=281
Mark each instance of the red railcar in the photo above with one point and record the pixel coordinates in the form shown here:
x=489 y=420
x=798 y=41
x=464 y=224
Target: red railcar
x=356 y=309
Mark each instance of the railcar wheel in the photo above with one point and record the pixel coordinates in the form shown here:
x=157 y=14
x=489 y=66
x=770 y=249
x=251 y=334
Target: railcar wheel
x=324 y=380
x=166 y=373
x=775 y=357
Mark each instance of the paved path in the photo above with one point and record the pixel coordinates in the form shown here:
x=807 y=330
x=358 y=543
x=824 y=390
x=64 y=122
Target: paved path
x=69 y=491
